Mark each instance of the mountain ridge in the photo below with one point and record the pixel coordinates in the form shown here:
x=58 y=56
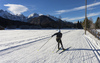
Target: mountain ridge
x=21 y=17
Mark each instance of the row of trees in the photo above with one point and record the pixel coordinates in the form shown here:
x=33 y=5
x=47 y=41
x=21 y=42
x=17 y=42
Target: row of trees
x=78 y=25
x=90 y=24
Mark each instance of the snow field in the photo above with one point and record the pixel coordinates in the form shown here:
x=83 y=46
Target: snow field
x=21 y=46
x=98 y=30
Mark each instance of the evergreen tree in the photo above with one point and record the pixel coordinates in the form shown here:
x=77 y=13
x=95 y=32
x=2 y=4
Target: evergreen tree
x=97 y=23
x=79 y=26
x=88 y=23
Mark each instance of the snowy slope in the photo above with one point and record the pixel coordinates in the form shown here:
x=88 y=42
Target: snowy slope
x=33 y=15
x=98 y=30
x=8 y=15
x=21 y=46
x=52 y=17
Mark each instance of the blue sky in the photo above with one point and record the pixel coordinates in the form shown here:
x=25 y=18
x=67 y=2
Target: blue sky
x=70 y=10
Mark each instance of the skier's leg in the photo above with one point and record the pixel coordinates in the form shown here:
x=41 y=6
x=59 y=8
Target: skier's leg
x=61 y=44
x=58 y=43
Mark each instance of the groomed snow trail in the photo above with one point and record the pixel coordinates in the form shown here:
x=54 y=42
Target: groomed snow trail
x=21 y=46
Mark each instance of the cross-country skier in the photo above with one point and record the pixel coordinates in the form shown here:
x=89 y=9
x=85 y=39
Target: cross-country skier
x=58 y=39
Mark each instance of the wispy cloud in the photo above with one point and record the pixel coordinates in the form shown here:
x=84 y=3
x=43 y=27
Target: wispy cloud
x=82 y=17
x=77 y=8
x=90 y=8
x=16 y=8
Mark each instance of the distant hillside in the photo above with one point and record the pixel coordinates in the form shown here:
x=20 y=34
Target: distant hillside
x=11 y=23
x=45 y=21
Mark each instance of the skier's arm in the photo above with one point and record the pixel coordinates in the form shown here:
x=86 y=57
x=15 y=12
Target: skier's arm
x=54 y=34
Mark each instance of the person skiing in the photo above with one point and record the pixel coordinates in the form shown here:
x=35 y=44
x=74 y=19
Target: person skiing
x=58 y=39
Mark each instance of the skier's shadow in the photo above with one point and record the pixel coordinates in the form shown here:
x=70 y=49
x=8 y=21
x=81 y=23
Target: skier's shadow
x=94 y=50
x=83 y=49
x=68 y=49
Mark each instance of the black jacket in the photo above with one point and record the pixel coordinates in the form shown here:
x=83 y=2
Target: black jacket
x=58 y=35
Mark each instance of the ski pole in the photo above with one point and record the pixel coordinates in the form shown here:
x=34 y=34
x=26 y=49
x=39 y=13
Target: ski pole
x=44 y=44
x=54 y=48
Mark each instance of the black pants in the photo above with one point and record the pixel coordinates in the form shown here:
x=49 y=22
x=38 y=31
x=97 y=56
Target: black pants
x=59 y=42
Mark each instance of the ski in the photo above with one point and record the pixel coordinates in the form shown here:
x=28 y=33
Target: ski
x=65 y=50
x=58 y=50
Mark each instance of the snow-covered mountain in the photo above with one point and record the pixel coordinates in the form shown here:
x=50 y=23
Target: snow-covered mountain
x=5 y=14
x=21 y=17
x=8 y=15
x=52 y=17
x=33 y=15
x=37 y=15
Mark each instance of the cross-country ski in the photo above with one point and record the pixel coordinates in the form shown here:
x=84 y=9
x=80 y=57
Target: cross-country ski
x=65 y=50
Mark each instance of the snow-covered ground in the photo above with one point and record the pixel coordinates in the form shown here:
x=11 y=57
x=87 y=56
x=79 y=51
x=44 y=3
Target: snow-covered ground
x=98 y=30
x=21 y=46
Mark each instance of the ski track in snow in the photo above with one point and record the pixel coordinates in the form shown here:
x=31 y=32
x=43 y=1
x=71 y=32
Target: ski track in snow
x=21 y=46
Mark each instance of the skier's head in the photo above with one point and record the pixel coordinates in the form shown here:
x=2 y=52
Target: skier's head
x=59 y=31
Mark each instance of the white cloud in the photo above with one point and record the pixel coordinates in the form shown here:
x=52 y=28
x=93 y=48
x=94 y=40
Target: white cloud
x=16 y=8
x=90 y=8
x=77 y=8
x=82 y=17
x=71 y=19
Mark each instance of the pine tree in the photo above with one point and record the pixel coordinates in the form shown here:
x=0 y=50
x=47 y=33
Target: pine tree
x=88 y=23
x=79 y=26
x=97 y=23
